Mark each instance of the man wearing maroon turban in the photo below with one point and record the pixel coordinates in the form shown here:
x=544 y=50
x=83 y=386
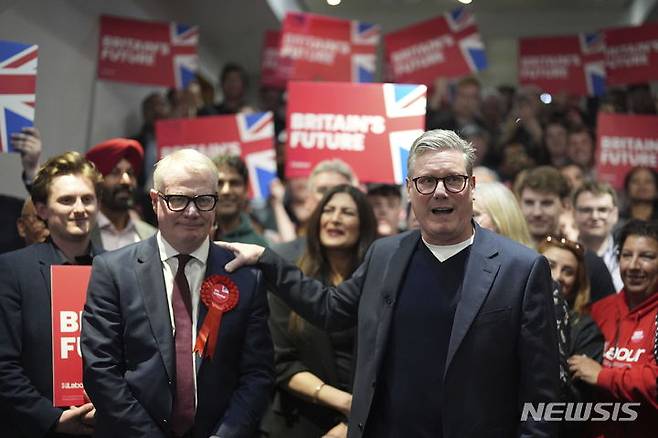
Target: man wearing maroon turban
x=120 y=161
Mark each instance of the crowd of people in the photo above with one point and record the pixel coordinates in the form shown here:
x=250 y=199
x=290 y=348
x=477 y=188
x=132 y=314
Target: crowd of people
x=502 y=272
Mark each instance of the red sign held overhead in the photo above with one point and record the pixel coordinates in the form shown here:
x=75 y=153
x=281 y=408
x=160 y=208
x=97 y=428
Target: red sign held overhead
x=625 y=141
x=447 y=46
x=329 y=49
x=251 y=136
x=68 y=295
x=147 y=52
x=275 y=70
x=632 y=54
x=569 y=64
x=369 y=126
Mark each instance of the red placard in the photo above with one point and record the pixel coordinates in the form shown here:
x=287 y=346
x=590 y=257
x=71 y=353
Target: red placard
x=250 y=136
x=631 y=54
x=625 y=141
x=446 y=46
x=329 y=49
x=147 y=52
x=571 y=64
x=275 y=70
x=68 y=294
x=369 y=126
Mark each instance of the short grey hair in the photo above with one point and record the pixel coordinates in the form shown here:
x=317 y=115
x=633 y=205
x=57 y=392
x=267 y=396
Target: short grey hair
x=191 y=160
x=440 y=140
x=336 y=166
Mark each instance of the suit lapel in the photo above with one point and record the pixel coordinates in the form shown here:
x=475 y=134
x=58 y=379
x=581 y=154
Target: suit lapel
x=151 y=283
x=481 y=269
x=395 y=269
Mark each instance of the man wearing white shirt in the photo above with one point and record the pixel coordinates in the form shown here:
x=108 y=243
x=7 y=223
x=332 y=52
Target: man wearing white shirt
x=160 y=359
x=595 y=214
x=119 y=160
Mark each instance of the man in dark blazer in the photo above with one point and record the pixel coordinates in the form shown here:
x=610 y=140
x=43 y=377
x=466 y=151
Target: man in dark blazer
x=455 y=324
x=139 y=367
x=65 y=196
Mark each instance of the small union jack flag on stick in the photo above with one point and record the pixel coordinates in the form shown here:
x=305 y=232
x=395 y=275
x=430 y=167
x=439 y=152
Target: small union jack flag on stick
x=18 y=81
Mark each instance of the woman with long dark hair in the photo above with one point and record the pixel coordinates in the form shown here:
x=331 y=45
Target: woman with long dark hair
x=313 y=367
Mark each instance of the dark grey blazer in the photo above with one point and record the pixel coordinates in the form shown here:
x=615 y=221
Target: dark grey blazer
x=503 y=346
x=26 y=372
x=129 y=353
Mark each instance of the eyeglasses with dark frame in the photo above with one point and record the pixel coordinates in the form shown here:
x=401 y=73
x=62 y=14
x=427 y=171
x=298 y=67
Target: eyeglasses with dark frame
x=427 y=184
x=180 y=202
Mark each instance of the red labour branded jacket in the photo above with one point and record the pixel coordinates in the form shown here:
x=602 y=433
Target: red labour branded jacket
x=629 y=367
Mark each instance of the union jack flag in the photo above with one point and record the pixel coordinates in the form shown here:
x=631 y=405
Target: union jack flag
x=18 y=77
x=184 y=41
x=592 y=42
x=363 y=59
x=255 y=126
x=404 y=103
x=365 y=33
x=592 y=47
x=262 y=170
x=261 y=165
x=463 y=26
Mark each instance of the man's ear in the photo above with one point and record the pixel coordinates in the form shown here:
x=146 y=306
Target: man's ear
x=153 y=194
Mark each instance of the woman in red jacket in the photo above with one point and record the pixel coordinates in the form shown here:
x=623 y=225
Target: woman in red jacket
x=628 y=323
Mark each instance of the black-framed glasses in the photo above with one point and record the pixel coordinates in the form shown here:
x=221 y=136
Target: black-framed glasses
x=426 y=185
x=180 y=202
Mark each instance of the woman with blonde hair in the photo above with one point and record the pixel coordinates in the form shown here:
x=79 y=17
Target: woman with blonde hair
x=496 y=209
x=578 y=333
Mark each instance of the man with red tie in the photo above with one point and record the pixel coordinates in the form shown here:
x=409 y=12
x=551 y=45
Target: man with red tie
x=173 y=345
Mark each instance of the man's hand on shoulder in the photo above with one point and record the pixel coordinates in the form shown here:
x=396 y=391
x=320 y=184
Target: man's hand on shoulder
x=78 y=420
x=245 y=254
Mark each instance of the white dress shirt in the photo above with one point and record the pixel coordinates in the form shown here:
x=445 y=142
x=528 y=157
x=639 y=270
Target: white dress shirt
x=195 y=271
x=114 y=239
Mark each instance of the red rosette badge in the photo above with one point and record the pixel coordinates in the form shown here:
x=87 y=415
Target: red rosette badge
x=220 y=294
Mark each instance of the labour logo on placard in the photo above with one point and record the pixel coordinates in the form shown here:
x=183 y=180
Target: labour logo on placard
x=184 y=40
x=262 y=170
x=18 y=74
x=255 y=126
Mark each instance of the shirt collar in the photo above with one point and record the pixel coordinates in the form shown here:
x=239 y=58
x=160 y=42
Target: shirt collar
x=444 y=252
x=104 y=223
x=167 y=251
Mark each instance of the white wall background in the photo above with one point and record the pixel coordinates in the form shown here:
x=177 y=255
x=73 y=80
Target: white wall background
x=74 y=111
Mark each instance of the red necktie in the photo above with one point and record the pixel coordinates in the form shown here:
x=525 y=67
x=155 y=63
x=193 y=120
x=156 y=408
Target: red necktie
x=182 y=416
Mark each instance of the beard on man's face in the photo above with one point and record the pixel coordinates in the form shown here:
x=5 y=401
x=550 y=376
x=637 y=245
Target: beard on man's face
x=120 y=197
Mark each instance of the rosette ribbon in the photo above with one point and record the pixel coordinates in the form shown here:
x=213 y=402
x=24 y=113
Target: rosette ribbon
x=220 y=294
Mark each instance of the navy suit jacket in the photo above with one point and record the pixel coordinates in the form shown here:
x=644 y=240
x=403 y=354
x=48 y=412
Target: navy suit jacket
x=503 y=345
x=129 y=354
x=26 y=379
